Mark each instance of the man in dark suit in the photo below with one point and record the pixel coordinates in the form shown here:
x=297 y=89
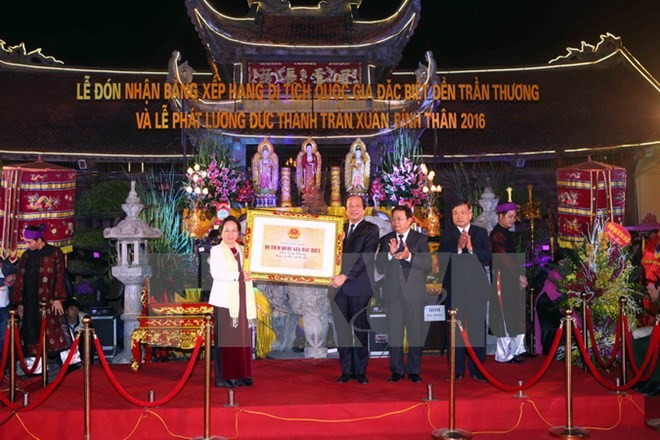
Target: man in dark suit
x=466 y=282
x=405 y=260
x=352 y=290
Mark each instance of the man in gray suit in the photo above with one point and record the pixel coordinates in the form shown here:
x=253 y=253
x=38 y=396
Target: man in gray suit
x=405 y=261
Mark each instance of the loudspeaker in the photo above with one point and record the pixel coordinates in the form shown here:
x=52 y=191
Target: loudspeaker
x=82 y=164
x=378 y=342
x=107 y=329
x=520 y=163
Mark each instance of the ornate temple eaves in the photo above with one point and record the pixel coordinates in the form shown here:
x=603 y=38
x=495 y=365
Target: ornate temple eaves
x=607 y=45
x=19 y=54
x=324 y=7
x=317 y=33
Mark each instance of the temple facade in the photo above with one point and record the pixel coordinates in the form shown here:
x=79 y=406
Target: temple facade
x=595 y=101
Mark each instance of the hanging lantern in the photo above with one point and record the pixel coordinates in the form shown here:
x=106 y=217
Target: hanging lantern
x=35 y=193
x=586 y=192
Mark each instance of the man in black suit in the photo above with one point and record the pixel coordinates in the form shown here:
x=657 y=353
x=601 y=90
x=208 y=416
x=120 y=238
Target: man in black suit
x=466 y=282
x=352 y=290
x=405 y=260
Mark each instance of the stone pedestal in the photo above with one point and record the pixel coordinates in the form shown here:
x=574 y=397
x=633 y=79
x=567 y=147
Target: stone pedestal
x=266 y=201
x=133 y=280
x=313 y=304
x=290 y=302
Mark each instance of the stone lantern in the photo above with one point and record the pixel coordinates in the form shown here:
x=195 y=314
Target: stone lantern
x=132 y=265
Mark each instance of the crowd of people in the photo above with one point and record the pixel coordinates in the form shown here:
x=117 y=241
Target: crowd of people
x=483 y=275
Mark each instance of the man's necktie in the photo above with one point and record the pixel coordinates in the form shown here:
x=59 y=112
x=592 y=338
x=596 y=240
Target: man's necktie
x=350 y=230
x=400 y=243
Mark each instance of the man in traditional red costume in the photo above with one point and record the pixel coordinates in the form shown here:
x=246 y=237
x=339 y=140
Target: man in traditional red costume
x=40 y=277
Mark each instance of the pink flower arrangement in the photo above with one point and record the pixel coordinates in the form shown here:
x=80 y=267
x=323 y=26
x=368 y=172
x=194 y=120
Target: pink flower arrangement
x=218 y=182
x=223 y=180
x=405 y=184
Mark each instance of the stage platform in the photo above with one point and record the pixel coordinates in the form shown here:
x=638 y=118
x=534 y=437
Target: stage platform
x=300 y=399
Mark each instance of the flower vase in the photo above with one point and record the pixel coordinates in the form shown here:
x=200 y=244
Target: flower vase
x=432 y=222
x=197 y=222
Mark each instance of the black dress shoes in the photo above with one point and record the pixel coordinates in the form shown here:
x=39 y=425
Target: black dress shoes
x=415 y=378
x=395 y=377
x=478 y=376
x=246 y=382
x=651 y=389
x=361 y=378
x=344 y=378
x=639 y=386
x=515 y=360
x=457 y=377
x=224 y=383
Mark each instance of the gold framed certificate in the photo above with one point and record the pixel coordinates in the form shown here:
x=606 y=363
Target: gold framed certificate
x=293 y=247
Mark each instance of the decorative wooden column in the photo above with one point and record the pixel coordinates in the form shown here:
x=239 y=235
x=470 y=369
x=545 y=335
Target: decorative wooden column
x=285 y=182
x=335 y=186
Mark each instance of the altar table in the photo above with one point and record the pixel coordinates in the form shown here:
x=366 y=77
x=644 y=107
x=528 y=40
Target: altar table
x=168 y=325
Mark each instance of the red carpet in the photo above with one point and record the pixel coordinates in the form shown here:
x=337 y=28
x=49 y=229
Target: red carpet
x=300 y=399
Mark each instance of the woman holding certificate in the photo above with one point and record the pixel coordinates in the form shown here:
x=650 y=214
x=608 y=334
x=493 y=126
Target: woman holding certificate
x=234 y=312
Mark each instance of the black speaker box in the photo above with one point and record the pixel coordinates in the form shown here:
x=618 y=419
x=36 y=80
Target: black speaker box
x=107 y=330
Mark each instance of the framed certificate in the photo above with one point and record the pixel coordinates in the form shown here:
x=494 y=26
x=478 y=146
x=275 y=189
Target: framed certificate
x=293 y=247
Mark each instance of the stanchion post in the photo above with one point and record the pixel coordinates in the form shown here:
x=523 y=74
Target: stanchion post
x=585 y=335
x=87 y=368
x=207 y=375
x=531 y=211
x=44 y=347
x=521 y=393
x=531 y=342
x=568 y=431
x=12 y=355
x=451 y=432
x=624 y=343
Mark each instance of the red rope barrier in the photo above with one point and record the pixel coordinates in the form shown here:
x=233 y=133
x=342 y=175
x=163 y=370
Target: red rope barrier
x=142 y=403
x=594 y=345
x=631 y=356
x=649 y=372
x=629 y=349
x=19 y=349
x=507 y=388
x=653 y=349
x=651 y=369
x=48 y=390
x=5 y=355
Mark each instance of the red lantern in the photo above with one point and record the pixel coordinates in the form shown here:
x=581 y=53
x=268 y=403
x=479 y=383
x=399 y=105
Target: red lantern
x=585 y=192
x=35 y=193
